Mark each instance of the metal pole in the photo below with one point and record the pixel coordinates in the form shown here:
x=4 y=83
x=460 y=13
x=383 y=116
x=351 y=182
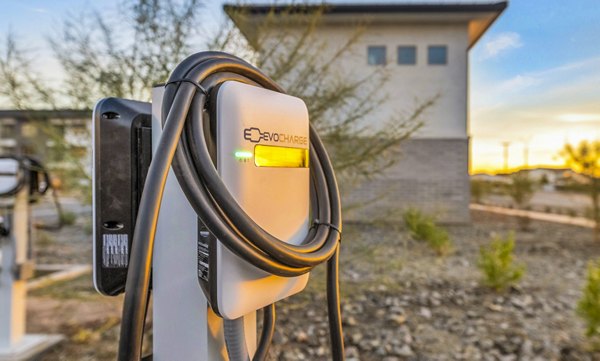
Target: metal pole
x=16 y=268
x=12 y=288
x=184 y=326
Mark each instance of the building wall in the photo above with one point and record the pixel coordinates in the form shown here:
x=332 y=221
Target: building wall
x=411 y=85
x=430 y=175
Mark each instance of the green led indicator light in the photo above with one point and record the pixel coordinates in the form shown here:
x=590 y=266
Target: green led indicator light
x=243 y=154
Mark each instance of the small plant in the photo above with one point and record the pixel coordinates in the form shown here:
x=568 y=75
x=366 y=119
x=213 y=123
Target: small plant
x=588 y=307
x=479 y=189
x=67 y=218
x=423 y=228
x=496 y=262
x=44 y=238
x=521 y=190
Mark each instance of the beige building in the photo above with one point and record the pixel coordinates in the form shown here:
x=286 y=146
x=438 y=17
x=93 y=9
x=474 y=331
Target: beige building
x=425 y=50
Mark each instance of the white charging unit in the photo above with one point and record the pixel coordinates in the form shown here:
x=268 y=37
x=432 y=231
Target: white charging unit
x=262 y=154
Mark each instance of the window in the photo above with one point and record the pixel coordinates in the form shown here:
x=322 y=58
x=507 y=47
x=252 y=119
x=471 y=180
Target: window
x=407 y=55
x=376 y=55
x=437 y=55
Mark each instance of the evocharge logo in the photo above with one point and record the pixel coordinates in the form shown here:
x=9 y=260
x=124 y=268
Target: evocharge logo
x=255 y=135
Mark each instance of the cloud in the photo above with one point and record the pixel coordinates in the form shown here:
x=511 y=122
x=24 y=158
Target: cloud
x=38 y=10
x=501 y=43
x=518 y=82
x=579 y=117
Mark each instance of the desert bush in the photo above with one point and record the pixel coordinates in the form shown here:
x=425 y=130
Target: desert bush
x=44 y=238
x=496 y=262
x=521 y=189
x=588 y=307
x=67 y=218
x=479 y=189
x=584 y=159
x=422 y=227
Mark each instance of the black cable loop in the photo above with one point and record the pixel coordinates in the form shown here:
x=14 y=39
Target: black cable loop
x=183 y=147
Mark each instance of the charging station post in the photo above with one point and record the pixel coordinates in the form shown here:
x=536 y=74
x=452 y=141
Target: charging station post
x=16 y=266
x=231 y=219
x=184 y=326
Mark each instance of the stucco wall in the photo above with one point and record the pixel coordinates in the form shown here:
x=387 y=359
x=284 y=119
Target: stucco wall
x=410 y=85
x=432 y=173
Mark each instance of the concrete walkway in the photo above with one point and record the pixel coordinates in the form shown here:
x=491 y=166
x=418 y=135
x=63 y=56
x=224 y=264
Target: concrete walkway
x=541 y=216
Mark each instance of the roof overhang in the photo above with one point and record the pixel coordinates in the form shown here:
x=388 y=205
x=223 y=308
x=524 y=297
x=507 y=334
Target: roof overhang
x=478 y=16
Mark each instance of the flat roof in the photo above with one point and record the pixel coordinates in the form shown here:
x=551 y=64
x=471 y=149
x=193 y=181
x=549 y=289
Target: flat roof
x=45 y=113
x=371 y=8
x=479 y=16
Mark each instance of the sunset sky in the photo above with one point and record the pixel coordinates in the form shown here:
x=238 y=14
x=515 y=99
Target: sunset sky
x=534 y=76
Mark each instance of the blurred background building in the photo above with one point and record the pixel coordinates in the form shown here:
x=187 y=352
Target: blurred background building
x=47 y=135
x=425 y=50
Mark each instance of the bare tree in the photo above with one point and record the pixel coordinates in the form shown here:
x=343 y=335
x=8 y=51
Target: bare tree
x=288 y=48
x=125 y=57
x=584 y=158
x=99 y=57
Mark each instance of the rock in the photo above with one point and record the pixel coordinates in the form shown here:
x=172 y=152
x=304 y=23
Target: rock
x=425 y=312
x=397 y=319
x=352 y=352
x=486 y=344
x=472 y=314
x=300 y=336
x=521 y=302
x=404 y=351
x=356 y=337
x=470 y=331
x=495 y=307
x=349 y=321
x=526 y=348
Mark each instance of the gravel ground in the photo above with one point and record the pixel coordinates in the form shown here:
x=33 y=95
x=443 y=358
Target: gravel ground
x=400 y=301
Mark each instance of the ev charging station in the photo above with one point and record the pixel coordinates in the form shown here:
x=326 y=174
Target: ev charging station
x=18 y=183
x=217 y=199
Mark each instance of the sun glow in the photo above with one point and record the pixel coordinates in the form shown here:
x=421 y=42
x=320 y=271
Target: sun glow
x=579 y=117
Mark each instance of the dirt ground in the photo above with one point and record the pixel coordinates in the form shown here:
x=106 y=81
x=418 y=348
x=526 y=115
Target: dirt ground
x=401 y=302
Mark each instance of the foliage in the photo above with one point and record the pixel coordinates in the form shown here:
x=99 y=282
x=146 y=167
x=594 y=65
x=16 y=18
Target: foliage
x=289 y=48
x=479 y=189
x=124 y=56
x=588 y=307
x=585 y=159
x=99 y=56
x=423 y=228
x=68 y=218
x=521 y=189
x=496 y=262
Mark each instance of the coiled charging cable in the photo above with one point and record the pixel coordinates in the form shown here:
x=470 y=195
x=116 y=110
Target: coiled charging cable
x=184 y=145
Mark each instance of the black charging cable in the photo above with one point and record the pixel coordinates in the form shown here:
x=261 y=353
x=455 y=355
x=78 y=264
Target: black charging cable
x=184 y=145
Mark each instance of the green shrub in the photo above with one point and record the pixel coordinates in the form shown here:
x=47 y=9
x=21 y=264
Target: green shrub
x=588 y=307
x=496 y=262
x=521 y=189
x=423 y=228
x=479 y=189
x=43 y=238
x=67 y=218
